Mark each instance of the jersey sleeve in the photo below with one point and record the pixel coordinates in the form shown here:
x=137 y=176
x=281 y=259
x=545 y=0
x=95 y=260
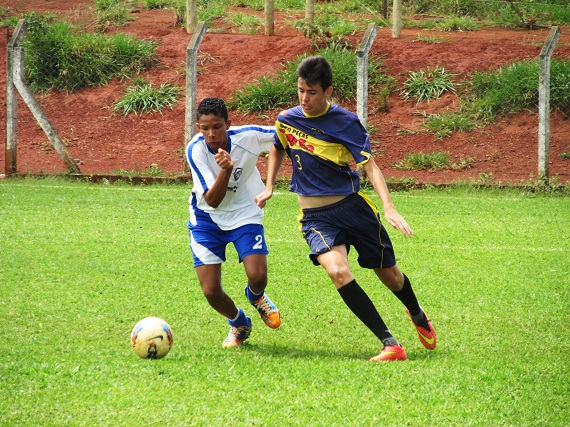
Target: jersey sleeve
x=280 y=139
x=197 y=158
x=358 y=141
x=265 y=137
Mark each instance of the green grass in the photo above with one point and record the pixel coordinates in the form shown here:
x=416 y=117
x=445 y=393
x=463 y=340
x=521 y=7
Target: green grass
x=515 y=87
x=436 y=160
x=143 y=97
x=82 y=263
x=277 y=91
x=427 y=84
x=60 y=57
x=442 y=125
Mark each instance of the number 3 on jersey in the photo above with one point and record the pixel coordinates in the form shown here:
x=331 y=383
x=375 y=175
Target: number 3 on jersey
x=298 y=160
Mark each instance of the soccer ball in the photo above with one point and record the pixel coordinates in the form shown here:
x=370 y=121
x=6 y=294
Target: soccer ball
x=151 y=338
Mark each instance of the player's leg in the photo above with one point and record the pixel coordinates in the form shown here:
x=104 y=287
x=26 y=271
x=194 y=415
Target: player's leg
x=335 y=262
x=375 y=251
x=208 y=250
x=210 y=278
x=256 y=270
x=400 y=285
x=324 y=230
x=252 y=250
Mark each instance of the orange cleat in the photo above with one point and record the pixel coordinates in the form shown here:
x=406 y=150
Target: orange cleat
x=237 y=335
x=427 y=338
x=268 y=311
x=390 y=353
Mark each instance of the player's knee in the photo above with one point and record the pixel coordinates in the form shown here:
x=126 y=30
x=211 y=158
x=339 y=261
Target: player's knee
x=213 y=293
x=339 y=274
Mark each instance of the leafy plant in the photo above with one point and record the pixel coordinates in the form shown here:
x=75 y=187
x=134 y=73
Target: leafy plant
x=457 y=24
x=321 y=37
x=424 y=161
x=144 y=97
x=158 y=4
x=442 y=125
x=248 y=24
x=58 y=57
x=280 y=91
x=111 y=13
x=425 y=85
x=428 y=39
x=515 y=87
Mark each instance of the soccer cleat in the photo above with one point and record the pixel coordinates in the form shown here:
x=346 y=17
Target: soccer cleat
x=237 y=335
x=268 y=311
x=390 y=353
x=427 y=338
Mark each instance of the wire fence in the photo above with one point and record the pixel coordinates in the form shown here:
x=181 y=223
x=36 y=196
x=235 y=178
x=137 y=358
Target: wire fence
x=88 y=55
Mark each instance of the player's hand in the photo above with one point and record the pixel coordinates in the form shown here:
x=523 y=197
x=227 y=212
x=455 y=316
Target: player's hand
x=224 y=160
x=262 y=198
x=398 y=222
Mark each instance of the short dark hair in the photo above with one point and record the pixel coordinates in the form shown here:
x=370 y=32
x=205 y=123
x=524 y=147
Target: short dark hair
x=315 y=69
x=215 y=106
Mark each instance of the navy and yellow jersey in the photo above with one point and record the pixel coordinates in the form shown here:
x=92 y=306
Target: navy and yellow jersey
x=320 y=148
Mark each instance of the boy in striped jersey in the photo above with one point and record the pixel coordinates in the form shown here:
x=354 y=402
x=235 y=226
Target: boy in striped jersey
x=223 y=162
x=321 y=139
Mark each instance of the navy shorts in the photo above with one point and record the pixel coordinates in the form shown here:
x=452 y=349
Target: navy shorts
x=354 y=221
x=209 y=246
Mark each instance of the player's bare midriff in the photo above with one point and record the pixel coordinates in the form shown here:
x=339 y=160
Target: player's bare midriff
x=307 y=202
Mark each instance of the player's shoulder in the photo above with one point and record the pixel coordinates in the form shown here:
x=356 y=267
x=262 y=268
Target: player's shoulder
x=296 y=111
x=341 y=111
x=196 y=141
x=244 y=129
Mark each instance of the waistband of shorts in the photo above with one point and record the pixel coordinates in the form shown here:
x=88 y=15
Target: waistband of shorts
x=327 y=208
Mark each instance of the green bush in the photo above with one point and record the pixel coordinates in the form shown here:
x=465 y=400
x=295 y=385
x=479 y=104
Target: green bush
x=425 y=85
x=59 y=58
x=144 y=97
x=281 y=91
x=424 y=161
x=515 y=87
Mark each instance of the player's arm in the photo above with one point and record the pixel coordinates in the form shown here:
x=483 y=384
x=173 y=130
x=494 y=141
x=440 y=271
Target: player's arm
x=274 y=161
x=377 y=180
x=217 y=192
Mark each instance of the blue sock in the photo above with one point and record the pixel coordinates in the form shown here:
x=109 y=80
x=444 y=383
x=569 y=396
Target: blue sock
x=251 y=296
x=240 y=319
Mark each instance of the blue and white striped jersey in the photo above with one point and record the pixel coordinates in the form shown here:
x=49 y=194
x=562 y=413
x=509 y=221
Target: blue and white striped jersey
x=238 y=207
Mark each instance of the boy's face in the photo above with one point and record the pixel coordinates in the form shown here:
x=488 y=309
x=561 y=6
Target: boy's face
x=214 y=129
x=312 y=97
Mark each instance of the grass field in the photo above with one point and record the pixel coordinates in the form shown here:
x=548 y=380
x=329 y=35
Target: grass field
x=80 y=264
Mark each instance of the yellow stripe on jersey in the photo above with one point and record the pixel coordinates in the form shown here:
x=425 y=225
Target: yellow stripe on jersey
x=298 y=140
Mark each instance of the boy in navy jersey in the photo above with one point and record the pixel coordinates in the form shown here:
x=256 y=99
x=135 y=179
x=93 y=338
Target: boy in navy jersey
x=223 y=162
x=321 y=138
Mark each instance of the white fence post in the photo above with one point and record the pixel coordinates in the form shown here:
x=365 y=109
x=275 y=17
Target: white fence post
x=191 y=16
x=544 y=102
x=16 y=67
x=310 y=11
x=191 y=79
x=362 y=73
x=11 y=164
x=396 y=19
x=269 y=18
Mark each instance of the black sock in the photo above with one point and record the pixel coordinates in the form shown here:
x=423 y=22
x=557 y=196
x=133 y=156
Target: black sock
x=361 y=305
x=408 y=298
